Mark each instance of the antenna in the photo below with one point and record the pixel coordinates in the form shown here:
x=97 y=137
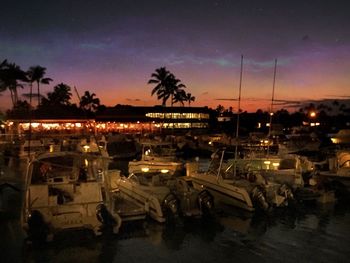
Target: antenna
x=271 y=108
x=238 y=113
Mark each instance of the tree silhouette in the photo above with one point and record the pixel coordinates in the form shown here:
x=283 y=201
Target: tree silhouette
x=11 y=76
x=89 y=102
x=166 y=85
x=176 y=89
x=60 y=96
x=179 y=96
x=220 y=109
x=36 y=74
x=190 y=98
x=161 y=80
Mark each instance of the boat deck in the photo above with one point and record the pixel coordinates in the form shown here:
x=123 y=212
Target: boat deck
x=128 y=210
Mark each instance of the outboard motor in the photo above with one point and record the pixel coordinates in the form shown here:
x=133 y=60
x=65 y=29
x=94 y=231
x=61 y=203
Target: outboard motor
x=206 y=203
x=286 y=191
x=170 y=207
x=258 y=196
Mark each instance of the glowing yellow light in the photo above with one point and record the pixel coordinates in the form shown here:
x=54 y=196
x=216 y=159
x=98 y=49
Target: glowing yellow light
x=164 y=171
x=145 y=169
x=275 y=164
x=312 y=114
x=334 y=140
x=267 y=162
x=86 y=148
x=35 y=124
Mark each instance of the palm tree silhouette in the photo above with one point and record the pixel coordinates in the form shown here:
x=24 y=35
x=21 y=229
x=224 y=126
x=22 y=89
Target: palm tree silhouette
x=190 y=98
x=61 y=95
x=179 y=96
x=89 y=102
x=167 y=85
x=161 y=80
x=176 y=89
x=36 y=74
x=10 y=77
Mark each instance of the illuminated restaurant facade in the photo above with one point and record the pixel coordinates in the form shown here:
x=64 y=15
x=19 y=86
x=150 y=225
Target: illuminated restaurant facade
x=121 y=118
x=152 y=119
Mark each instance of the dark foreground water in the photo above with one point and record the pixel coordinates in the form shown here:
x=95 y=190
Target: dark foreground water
x=309 y=233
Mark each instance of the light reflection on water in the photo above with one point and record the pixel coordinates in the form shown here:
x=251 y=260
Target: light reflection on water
x=304 y=234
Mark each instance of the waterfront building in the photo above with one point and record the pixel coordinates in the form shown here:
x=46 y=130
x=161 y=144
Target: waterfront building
x=121 y=118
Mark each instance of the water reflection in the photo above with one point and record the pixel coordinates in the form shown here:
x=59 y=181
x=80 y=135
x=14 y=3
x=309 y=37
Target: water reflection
x=304 y=233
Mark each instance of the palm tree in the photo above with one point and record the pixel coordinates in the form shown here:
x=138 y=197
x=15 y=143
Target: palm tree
x=89 y=102
x=179 y=96
x=161 y=80
x=166 y=85
x=10 y=77
x=61 y=95
x=189 y=98
x=175 y=87
x=36 y=74
x=220 y=109
x=3 y=66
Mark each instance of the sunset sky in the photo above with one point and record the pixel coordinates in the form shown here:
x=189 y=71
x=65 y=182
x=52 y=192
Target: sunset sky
x=111 y=47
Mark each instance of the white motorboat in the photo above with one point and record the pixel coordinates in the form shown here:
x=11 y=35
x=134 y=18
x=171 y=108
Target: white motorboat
x=157 y=155
x=164 y=196
x=248 y=191
x=66 y=190
x=335 y=171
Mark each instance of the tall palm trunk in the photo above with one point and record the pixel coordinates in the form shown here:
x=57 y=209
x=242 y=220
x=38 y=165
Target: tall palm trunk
x=15 y=95
x=30 y=93
x=38 y=93
x=12 y=97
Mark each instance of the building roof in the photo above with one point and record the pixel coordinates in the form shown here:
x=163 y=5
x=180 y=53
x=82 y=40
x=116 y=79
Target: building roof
x=137 y=113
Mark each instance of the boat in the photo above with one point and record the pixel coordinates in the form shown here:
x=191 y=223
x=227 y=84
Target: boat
x=164 y=196
x=334 y=173
x=249 y=191
x=291 y=170
x=129 y=209
x=157 y=155
x=66 y=190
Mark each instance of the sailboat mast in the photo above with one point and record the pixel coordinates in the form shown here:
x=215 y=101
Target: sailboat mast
x=271 y=107
x=238 y=113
